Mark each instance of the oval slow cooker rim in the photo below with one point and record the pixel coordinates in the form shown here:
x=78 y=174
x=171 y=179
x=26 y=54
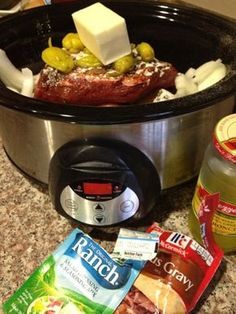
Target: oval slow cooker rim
x=124 y=113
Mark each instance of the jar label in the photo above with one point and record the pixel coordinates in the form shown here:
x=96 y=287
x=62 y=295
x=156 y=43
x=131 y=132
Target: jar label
x=224 y=220
x=224 y=137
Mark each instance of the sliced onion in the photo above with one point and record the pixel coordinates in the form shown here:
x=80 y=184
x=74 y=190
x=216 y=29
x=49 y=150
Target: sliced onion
x=9 y=74
x=205 y=70
x=28 y=82
x=190 y=72
x=214 y=77
x=185 y=85
x=195 y=80
x=163 y=94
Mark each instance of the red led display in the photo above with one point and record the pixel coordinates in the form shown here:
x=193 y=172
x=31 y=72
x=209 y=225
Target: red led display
x=97 y=188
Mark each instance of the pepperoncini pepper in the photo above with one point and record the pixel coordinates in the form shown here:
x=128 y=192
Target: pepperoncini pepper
x=58 y=58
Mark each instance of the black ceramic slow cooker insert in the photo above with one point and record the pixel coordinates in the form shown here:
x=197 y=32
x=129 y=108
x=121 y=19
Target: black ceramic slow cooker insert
x=8 y=4
x=170 y=136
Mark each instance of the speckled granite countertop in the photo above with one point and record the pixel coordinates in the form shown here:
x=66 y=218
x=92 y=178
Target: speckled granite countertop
x=30 y=229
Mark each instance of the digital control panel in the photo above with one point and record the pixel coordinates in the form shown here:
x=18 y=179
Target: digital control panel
x=97 y=190
x=99 y=203
x=102 y=182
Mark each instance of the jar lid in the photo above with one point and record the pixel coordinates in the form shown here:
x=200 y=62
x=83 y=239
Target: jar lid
x=224 y=137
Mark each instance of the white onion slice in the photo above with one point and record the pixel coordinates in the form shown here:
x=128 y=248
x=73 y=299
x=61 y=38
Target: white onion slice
x=28 y=82
x=205 y=70
x=9 y=74
x=218 y=74
x=163 y=94
x=190 y=72
x=195 y=80
x=185 y=85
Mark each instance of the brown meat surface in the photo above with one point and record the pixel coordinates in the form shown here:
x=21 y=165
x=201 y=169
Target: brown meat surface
x=99 y=87
x=135 y=302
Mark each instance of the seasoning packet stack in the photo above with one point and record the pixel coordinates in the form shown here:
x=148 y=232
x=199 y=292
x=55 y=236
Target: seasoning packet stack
x=154 y=271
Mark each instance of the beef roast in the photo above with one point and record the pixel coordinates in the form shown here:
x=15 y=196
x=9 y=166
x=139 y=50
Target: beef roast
x=135 y=302
x=99 y=86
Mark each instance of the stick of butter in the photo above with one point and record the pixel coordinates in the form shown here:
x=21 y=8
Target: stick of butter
x=103 y=32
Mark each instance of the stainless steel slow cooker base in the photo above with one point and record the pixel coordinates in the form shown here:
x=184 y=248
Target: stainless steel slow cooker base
x=172 y=134
x=175 y=145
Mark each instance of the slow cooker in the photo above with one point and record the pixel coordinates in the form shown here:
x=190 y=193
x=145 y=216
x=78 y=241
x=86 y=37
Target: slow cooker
x=105 y=165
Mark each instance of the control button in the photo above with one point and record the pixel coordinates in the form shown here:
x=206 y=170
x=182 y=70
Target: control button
x=90 y=197
x=126 y=206
x=78 y=189
x=99 y=207
x=117 y=189
x=99 y=219
x=70 y=204
x=105 y=198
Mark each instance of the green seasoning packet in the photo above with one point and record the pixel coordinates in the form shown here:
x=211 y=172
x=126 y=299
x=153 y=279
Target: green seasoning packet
x=79 y=277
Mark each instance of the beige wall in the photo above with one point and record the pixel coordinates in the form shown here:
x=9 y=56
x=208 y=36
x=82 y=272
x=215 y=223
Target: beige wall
x=225 y=7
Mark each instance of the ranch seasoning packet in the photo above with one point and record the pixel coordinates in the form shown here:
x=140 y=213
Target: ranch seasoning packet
x=79 y=277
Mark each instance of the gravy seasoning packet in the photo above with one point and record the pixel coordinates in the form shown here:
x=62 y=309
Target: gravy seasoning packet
x=174 y=280
x=79 y=277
